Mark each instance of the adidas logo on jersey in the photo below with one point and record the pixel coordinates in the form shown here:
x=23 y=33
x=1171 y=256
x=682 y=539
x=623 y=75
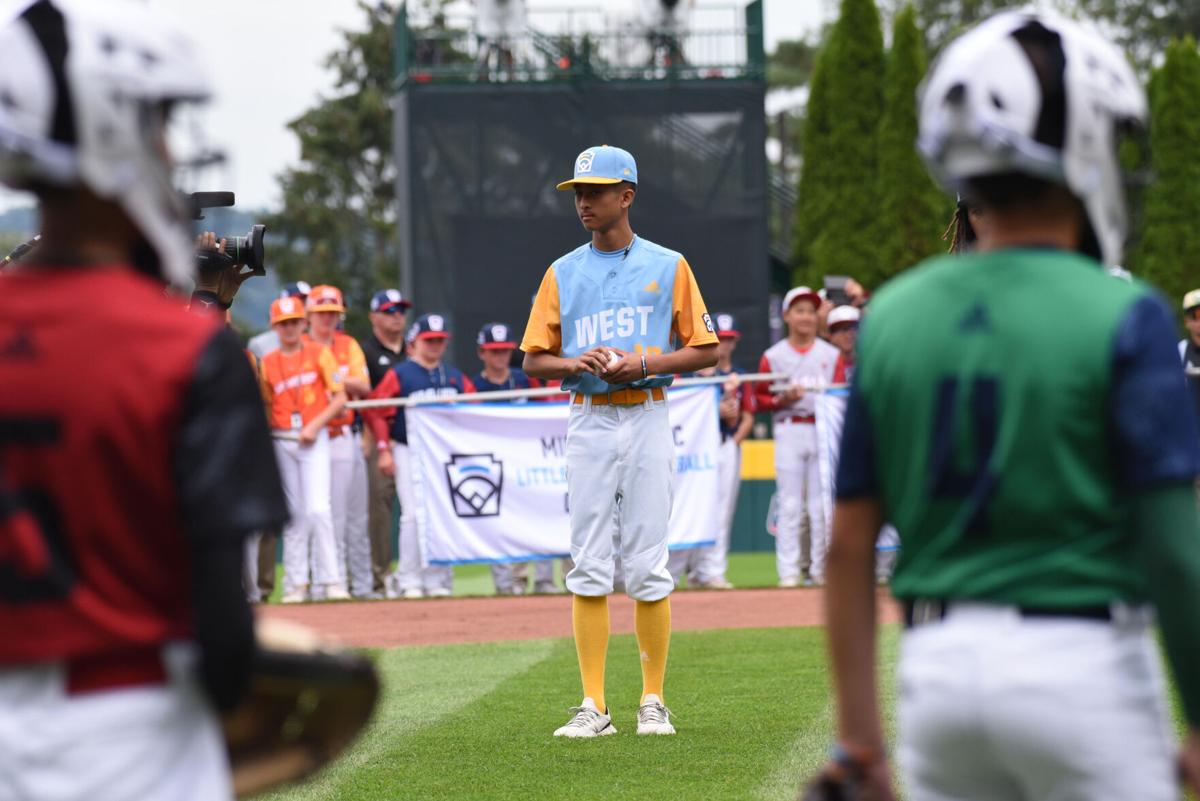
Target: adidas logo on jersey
x=652 y=287
x=603 y=326
x=976 y=319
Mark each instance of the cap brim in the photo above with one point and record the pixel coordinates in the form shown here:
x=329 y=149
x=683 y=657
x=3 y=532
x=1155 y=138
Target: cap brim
x=813 y=296
x=603 y=181
x=327 y=307
x=433 y=335
x=499 y=346
x=729 y=334
x=286 y=317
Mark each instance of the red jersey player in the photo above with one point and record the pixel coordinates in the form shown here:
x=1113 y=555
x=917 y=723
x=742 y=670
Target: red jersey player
x=130 y=478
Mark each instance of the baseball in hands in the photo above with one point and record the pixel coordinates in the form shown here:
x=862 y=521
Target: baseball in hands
x=613 y=359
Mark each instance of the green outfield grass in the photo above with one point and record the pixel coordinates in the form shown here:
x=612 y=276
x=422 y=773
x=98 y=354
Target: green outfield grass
x=752 y=708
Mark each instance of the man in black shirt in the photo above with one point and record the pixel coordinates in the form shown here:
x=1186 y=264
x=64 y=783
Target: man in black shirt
x=384 y=348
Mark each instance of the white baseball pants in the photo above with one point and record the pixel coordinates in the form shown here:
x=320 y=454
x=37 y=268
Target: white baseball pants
x=250 y=568
x=702 y=565
x=798 y=492
x=620 y=463
x=997 y=707
x=121 y=744
x=513 y=577
x=305 y=470
x=413 y=572
x=348 y=502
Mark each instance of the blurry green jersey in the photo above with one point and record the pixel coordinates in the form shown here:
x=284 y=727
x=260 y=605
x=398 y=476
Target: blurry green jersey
x=987 y=385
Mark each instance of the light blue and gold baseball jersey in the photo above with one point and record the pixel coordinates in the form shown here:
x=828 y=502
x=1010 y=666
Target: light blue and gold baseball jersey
x=643 y=300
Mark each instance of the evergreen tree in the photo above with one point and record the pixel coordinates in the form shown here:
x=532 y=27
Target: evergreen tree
x=816 y=152
x=913 y=211
x=1168 y=253
x=338 y=221
x=834 y=225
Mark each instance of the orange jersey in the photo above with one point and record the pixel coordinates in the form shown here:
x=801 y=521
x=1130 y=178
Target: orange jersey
x=351 y=363
x=298 y=382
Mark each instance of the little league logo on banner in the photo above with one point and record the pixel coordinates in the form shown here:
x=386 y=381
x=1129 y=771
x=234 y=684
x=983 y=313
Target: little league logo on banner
x=492 y=478
x=475 y=484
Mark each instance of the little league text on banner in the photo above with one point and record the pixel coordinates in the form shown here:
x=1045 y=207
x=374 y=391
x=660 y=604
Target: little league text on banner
x=491 y=478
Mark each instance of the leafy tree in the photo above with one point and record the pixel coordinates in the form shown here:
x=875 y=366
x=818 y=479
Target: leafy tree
x=1169 y=250
x=942 y=20
x=791 y=64
x=338 y=221
x=912 y=210
x=835 y=212
x=1146 y=29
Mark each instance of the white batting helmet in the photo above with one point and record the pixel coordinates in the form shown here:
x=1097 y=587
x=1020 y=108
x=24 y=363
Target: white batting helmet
x=981 y=105
x=83 y=95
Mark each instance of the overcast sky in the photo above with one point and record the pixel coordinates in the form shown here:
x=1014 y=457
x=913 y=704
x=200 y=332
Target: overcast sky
x=264 y=58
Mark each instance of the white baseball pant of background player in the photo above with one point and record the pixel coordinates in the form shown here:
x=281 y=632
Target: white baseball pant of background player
x=798 y=489
x=305 y=470
x=997 y=707
x=412 y=573
x=508 y=577
x=702 y=565
x=250 y=568
x=622 y=456
x=348 y=501
x=148 y=742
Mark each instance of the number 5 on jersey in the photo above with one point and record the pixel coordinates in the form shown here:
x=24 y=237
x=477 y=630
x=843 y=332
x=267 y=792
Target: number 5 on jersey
x=34 y=564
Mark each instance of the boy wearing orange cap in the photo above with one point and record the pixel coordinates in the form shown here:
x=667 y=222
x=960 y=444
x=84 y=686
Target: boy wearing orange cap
x=348 y=467
x=303 y=394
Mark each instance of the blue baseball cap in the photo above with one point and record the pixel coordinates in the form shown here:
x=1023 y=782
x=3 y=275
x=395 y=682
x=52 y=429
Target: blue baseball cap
x=296 y=289
x=428 y=326
x=495 y=336
x=726 y=325
x=387 y=299
x=603 y=165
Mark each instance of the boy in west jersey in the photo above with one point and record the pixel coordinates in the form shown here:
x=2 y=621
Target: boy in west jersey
x=303 y=394
x=616 y=318
x=495 y=348
x=423 y=374
x=1019 y=416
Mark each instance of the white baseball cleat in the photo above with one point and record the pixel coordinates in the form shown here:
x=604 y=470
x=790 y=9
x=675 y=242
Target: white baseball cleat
x=413 y=593
x=716 y=584
x=587 y=721
x=296 y=596
x=653 y=717
x=439 y=592
x=790 y=581
x=336 y=592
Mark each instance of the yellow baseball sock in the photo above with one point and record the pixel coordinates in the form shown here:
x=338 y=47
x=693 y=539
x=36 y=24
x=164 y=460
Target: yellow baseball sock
x=589 y=618
x=652 y=621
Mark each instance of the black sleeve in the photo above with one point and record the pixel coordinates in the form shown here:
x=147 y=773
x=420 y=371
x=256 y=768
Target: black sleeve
x=228 y=486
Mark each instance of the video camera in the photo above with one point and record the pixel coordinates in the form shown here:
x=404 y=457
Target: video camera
x=247 y=250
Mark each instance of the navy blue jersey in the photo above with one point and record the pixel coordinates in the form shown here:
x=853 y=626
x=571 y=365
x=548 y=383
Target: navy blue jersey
x=408 y=379
x=516 y=380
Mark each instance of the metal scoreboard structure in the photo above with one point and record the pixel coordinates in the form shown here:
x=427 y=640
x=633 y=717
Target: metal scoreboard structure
x=485 y=125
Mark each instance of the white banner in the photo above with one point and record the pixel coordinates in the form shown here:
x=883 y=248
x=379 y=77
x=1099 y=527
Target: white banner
x=492 y=478
x=831 y=418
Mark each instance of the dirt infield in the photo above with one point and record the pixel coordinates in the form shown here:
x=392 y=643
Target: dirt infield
x=385 y=624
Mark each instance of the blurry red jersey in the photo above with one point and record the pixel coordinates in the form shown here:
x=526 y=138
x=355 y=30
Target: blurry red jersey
x=95 y=365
